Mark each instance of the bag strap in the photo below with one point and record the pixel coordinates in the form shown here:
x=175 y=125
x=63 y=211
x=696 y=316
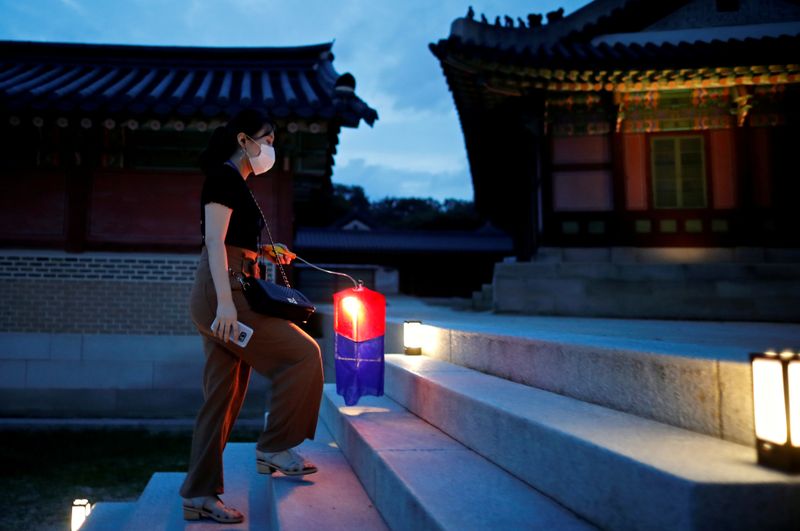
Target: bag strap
x=269 y=233
x=266 y=224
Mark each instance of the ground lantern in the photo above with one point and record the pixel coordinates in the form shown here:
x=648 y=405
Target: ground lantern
x=776 y=405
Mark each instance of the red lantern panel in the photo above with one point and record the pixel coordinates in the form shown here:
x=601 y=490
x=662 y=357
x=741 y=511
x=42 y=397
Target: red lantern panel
x=359 y=314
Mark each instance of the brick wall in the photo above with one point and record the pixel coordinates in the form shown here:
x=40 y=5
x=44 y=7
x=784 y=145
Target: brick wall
x=102 y=335
x=96 y=293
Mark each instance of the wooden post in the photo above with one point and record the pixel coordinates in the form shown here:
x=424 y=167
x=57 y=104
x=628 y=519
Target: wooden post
x=747 y=227
x=531 y=169
x=76 y=212
x=78 y=193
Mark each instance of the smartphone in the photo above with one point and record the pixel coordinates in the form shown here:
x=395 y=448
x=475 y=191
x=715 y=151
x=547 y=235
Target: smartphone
x=245 y=333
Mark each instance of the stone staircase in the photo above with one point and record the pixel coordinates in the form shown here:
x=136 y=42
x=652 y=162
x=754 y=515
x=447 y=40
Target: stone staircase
x=420 y=478
x=613 y=469
x=483 y=300
x=331 y=499
x=525 y=422
x=745 y=284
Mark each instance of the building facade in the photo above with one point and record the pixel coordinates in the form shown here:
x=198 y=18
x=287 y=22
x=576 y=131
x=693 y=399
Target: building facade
x=633 y=123
x=100 y=143
x=99 y=209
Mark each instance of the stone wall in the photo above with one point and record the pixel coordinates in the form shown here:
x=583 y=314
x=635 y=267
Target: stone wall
x=95 y=293
x=102 y=335
x=108 y=375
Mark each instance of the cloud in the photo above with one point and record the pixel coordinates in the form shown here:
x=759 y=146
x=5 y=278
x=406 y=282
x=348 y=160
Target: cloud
x=75 y=6
x=403 y=148
x=381 y=181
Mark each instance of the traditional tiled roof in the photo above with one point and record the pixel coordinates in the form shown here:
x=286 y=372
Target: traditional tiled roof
x=607 y=42
x=659 y=51
x=182 y=81
x=596 y=18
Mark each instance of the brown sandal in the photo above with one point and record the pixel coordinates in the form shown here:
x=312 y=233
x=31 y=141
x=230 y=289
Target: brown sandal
x=210 y=507
x=289 y=462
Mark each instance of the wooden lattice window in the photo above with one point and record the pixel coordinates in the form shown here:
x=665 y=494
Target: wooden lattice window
x=678 y=172
x=165 y=149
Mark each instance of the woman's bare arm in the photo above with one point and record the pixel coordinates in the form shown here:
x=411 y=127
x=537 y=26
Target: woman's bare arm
x=217 y=218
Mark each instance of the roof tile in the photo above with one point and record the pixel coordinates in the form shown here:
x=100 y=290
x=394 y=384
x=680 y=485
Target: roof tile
x=288 y=81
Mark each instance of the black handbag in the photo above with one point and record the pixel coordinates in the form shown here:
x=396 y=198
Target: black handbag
x=268 y=297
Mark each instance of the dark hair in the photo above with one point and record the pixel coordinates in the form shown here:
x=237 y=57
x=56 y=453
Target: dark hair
x=223 y=143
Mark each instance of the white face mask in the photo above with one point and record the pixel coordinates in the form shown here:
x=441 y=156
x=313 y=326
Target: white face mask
x=265 y=159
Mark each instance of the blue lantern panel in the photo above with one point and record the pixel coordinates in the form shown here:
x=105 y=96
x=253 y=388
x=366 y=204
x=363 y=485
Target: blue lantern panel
x=359 y=368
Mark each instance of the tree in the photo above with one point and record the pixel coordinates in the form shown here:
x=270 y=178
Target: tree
x=407 y=213
x=350 y=196
x=426 y=214
x=324 y=207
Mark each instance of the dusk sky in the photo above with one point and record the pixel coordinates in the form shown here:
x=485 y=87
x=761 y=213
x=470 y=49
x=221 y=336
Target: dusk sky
x=416 y=148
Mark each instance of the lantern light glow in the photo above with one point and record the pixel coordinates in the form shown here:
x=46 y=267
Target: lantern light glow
x=776 y=406
x=412 y=337
x=794 y=401
x=352 y=307
x=769 y=403
x=80 y=510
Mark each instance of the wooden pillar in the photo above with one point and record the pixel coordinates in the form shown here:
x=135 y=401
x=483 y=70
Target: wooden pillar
x=77 y=169
x=620 y=232
x=746 y=226
x=783 y=141
x=531 y=155
x=505 y=150
x=783 y=145
x=76 y=214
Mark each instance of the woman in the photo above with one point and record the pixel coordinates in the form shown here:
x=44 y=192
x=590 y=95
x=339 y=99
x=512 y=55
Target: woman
x=231 y=225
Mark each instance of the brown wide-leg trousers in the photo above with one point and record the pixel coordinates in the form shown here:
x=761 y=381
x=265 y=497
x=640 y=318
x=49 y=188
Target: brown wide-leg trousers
x=278 y=349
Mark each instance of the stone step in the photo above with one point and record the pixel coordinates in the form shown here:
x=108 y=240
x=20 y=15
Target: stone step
x=421 y=479
x=730 y=291
x=159 y=506
x=662 y=272
x=330 y=499
x=616 y=470
x=659 y=255
x=687 y=374
x=108 y=515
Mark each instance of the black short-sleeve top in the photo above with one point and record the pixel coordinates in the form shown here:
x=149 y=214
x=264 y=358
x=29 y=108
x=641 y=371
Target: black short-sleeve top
x=224 y=185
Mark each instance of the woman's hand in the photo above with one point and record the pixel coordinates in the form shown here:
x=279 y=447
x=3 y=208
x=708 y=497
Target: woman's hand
x=225 y=324
x=278 y=254
x=217 y=218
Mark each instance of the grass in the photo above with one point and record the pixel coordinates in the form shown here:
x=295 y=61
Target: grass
x=44 y=470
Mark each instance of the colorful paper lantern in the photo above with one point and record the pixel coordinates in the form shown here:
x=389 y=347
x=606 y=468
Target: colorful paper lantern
x=359 y=323
x=776 y=405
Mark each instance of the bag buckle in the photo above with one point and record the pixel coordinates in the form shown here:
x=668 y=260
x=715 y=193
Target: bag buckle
x=238 y=276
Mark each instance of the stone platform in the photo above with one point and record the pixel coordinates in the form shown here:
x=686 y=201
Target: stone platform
x=528 y=422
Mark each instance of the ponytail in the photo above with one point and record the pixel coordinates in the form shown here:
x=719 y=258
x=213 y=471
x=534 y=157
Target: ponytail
x=220 y=147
